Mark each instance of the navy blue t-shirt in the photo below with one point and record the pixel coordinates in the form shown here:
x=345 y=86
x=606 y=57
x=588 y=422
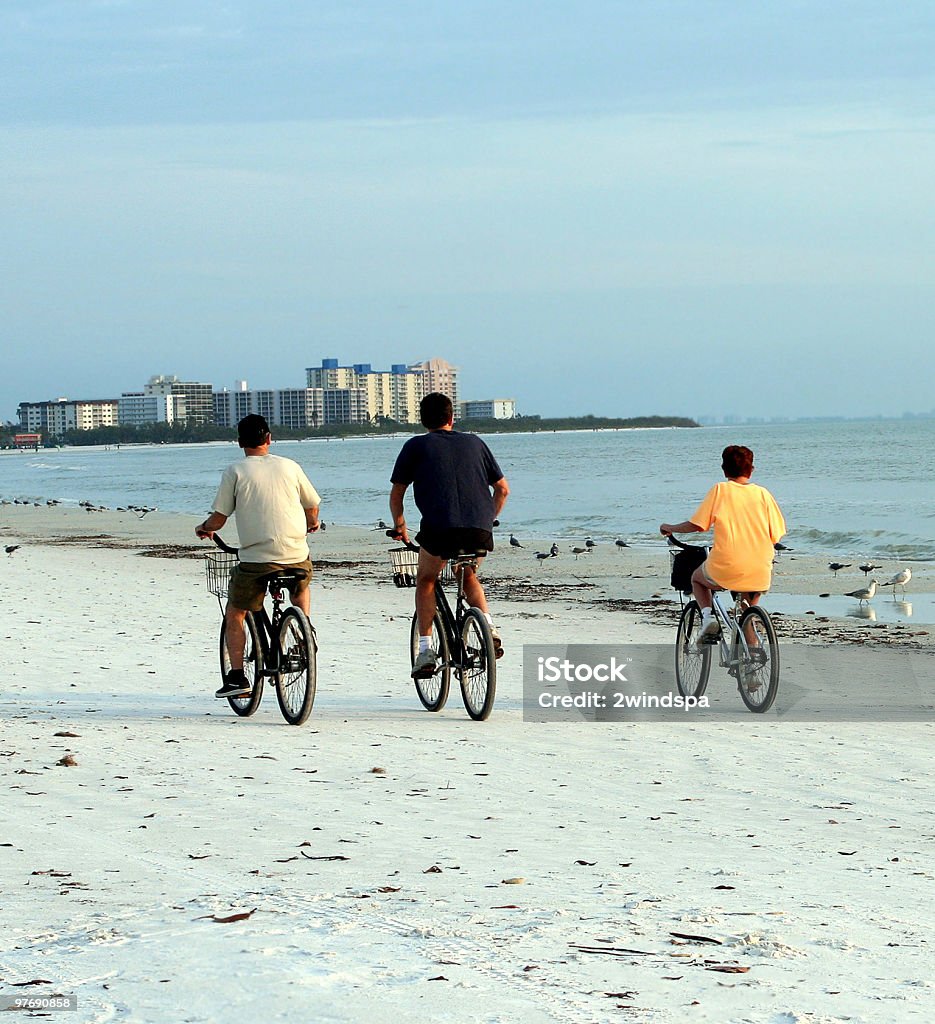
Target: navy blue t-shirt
x=451 y=474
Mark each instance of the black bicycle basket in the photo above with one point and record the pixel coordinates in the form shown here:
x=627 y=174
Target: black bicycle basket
x=684 y=562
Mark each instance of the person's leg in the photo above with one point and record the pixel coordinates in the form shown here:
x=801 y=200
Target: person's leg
x=236 y=635
x=426 y=575
x=301 y=597
x=303 y=601
x=476 y=598
x=701 y=589
x=473 y=591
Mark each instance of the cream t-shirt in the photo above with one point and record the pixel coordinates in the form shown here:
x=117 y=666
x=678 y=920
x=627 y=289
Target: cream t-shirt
x=269 y=496
x=747 y=523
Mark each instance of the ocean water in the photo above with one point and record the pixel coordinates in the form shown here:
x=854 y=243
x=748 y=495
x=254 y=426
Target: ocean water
x=853 y=489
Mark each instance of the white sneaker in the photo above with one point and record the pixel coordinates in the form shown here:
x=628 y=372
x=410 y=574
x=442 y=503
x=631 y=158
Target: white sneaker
x=710 y=630
x=424 y=665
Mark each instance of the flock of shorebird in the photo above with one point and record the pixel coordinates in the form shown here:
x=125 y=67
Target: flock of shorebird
x=866 y=593
x=576 y=550
x=88 y=506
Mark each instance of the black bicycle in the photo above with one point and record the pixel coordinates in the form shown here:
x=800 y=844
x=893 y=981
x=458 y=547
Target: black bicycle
x=462 y=637
x=281 y=647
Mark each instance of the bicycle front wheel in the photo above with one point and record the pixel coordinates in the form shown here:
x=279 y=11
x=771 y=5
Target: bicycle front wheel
x=252 y=666
x=478 y=666
x=433 y=691
x=756 y=655
x=298 y=666
x=692 y=660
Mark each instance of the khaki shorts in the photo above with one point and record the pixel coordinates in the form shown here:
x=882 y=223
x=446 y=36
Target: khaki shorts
x=710 y=582
x=247 y=592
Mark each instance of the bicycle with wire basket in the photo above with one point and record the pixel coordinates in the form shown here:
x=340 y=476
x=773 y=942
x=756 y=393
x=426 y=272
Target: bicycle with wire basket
x=746 y=644
x=461 y=637
x=281 y=647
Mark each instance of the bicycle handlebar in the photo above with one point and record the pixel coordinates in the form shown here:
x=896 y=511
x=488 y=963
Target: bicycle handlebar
x=672 y=539
x=223 y=545
x=395 y=535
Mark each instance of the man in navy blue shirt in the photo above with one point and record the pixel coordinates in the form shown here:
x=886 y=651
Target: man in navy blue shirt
x=459 y=489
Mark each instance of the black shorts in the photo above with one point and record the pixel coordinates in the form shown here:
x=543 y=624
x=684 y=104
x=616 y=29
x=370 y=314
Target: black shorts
x=455 y=541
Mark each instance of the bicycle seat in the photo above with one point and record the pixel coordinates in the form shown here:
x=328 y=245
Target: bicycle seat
x=286 y=576
x=466 y=556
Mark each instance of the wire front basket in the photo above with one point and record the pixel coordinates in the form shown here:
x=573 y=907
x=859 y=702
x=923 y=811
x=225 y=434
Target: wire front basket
x=405 y=562
x=218 y=568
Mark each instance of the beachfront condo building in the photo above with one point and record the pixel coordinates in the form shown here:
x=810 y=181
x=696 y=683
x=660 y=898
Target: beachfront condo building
x=392 y=394
x=489 y=409
x=296 y=408
x=441 y=376
x=53 y=418
x=199 y=397
x=135 y=409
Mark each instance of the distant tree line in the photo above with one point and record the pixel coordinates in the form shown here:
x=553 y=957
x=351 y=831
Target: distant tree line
x=534 y=424
x=185 y=432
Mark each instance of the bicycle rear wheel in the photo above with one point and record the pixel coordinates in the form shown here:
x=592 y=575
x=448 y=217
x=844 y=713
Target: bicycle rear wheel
x=478 y=670
x=692 y=660
x=252 y=666
x=757 y=661
x=433 y=691
x=298 y=667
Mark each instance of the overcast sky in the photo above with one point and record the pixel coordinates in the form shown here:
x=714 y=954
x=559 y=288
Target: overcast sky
x=669 y=206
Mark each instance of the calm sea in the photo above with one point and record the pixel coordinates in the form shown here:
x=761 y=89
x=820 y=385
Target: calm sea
x=861 y=489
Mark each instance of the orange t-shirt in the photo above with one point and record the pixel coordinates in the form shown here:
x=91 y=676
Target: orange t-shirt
x=747 y=523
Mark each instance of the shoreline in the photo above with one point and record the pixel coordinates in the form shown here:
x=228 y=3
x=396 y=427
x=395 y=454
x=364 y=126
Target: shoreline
x=608 y=580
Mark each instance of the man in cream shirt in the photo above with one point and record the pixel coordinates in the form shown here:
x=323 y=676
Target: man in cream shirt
x=276 y=507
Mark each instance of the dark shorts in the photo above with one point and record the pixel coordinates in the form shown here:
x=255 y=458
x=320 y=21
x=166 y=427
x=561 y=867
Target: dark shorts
x=247 y=593
x=454 y=542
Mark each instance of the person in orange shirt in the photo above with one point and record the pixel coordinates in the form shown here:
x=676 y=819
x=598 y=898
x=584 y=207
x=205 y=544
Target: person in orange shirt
x=747 y=523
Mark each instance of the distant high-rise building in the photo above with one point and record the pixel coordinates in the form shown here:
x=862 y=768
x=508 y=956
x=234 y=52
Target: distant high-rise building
x=134 y=408
x=392 y=394
x=489 y=409
x=296 y=408
x=199 y=400
x=440 y=376
x=55 y=417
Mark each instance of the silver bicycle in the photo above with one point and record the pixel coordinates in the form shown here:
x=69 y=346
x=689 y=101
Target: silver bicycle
x=746 y=645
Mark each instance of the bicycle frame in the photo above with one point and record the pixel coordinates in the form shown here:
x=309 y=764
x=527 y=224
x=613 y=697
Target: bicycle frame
x=730 y=638
x=452 y=619
x=268 y=629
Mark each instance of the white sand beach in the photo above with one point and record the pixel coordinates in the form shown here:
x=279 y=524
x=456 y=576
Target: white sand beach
x=386 y=864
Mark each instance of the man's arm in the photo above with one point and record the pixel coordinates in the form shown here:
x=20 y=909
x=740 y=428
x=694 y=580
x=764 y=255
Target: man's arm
x=311 y=519
x=501 y=491
x=397 y=494
x=687 y=527
x=210 y=526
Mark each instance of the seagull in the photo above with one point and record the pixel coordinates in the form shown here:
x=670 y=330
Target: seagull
x=781 y=547
x=10 y=548
x=579 y=551
x=899 y=580
x=553 y=551
x=542 y=555
x=589 y=543
x=514 y=543
x=868 y=568
x=865 y=594
x=621 y=543
x=835 y=566
x=381 y=525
